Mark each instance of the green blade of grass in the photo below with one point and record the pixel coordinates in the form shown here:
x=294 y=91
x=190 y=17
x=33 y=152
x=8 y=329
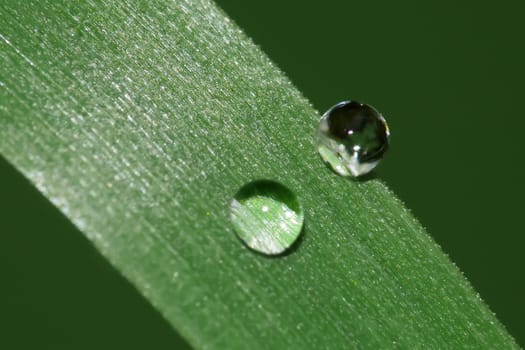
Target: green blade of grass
x=141 y=120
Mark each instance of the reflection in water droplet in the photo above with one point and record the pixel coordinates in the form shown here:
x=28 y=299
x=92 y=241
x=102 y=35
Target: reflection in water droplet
x=352 y=138
x=267 y=216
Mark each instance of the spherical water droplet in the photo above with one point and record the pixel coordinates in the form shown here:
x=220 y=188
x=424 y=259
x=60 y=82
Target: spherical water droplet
x=352 y=138
x=267 y=216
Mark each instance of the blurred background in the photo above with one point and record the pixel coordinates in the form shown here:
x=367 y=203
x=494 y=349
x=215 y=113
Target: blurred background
x=449 y=77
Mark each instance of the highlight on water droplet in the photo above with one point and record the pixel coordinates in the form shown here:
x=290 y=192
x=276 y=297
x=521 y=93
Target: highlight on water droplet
x=352 y=138
x=267 y=216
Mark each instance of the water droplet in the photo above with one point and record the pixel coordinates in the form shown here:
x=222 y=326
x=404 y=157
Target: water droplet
x=267 y=216
x=352 y=138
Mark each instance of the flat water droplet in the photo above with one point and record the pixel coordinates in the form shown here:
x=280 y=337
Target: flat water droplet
x=352 y=138
x=267 y=216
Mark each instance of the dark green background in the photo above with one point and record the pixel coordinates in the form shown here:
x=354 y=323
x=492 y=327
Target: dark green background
x=448 y=76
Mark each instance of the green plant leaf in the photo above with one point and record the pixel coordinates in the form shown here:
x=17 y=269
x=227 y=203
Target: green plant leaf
x=140 y=121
